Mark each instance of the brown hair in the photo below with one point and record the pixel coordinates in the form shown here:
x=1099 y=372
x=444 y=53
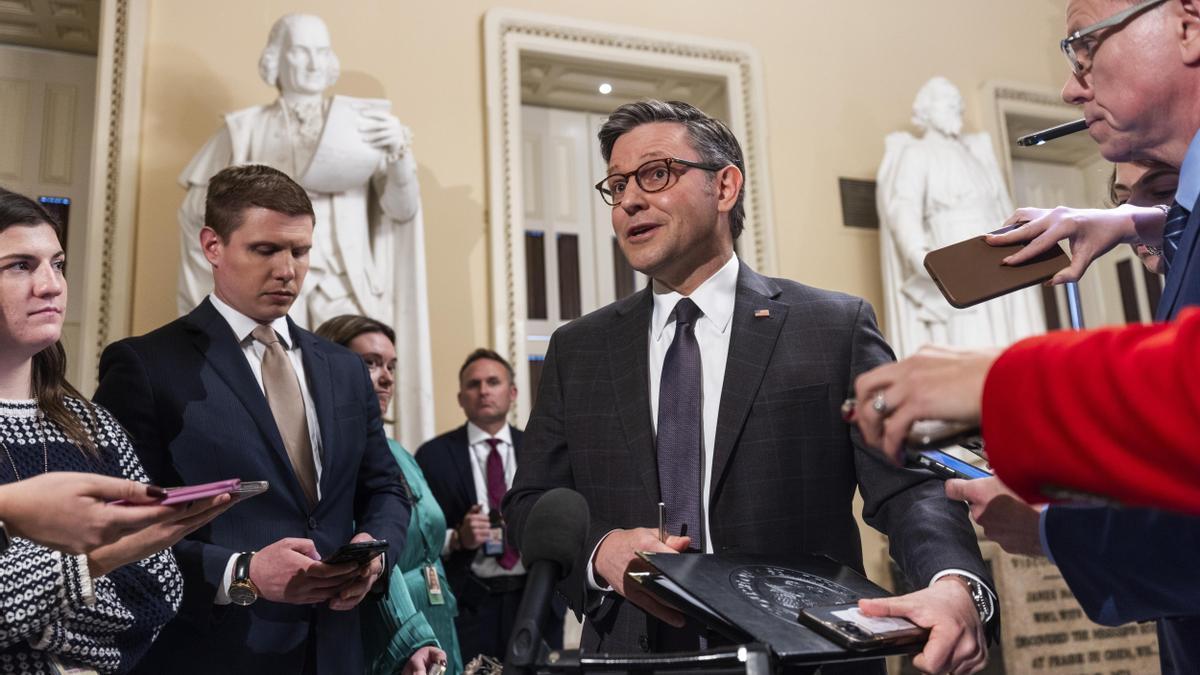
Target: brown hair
x=237 y=188
x=483 y=353
x=49 y=378
x=343 y=329
x=710 y=138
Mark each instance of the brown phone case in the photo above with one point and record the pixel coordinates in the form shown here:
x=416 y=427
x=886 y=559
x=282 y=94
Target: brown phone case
x=971 y=272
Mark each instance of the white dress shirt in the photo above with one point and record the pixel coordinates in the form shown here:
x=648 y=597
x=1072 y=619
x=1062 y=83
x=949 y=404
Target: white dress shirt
x=253 y=350
x=484 y=566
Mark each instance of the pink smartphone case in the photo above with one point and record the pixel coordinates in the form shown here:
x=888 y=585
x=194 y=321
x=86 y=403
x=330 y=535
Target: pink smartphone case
x=190 y=493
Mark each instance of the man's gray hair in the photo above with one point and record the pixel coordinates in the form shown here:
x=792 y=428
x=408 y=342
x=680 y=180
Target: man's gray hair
x=268 y=62
x=710 y=138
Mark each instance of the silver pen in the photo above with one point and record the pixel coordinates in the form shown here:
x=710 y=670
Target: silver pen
x=662 y=522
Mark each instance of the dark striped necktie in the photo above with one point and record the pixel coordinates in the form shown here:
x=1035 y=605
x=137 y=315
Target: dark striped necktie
x=1177 y=218
x=679 y=428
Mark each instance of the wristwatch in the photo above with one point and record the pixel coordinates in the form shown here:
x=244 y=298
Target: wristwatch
x=242 y=591
x=981 y=596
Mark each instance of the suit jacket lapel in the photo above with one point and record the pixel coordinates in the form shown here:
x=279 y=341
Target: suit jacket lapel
x=628 y=345
x=320 y=387
x=1177 y=276
x=213 y=337
x=751 y=346
x=460 y=456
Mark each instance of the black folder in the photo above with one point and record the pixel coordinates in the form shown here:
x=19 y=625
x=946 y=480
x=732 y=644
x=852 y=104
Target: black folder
x=751 y=599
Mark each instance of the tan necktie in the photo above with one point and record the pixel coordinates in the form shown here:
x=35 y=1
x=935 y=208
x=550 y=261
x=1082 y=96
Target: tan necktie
x=287 y=406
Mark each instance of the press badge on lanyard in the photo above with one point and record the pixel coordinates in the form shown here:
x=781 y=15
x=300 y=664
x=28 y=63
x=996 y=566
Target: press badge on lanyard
x=433 y=586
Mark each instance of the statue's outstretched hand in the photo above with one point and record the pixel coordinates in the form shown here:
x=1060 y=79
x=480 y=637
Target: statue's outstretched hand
x=383 y=130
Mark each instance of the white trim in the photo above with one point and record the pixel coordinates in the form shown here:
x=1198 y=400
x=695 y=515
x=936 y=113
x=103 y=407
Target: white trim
x=507 y=34
x=116 y=153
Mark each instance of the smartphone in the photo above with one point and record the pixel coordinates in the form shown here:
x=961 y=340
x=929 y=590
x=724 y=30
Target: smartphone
x=847 y=626
x=190 y=493
x=250 y=488
x=971 y=271
x=945 y=465
x=358 y=552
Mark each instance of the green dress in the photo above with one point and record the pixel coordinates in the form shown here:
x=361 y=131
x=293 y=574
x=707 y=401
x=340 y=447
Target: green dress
x=404 y=620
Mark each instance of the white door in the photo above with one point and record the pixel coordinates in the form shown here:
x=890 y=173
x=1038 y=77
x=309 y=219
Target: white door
x=47 y=100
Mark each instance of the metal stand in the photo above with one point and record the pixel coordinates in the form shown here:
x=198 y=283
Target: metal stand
x=748 y=659
x=1074 y=307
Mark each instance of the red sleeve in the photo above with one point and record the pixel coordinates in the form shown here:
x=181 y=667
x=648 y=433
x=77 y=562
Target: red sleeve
x=1113 y=412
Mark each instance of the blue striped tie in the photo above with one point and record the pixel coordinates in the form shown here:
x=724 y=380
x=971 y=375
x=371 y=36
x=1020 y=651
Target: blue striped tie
x=679 y=427
x=1177 y=218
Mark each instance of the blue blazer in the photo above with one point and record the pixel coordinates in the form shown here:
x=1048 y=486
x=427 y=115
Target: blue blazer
x=1139 y=564
x=446 y=462
x=195 y=412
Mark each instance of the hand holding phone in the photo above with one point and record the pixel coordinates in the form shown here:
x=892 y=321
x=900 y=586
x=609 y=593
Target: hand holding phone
x=358 y=552
x=847 y=626
x=973 y=271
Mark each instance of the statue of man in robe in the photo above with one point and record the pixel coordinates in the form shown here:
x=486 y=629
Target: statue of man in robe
x=368 y=253
x=932 y=192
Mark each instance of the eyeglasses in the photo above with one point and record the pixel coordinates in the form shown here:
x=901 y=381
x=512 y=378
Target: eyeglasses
x=653 y=176
x=1081 y=44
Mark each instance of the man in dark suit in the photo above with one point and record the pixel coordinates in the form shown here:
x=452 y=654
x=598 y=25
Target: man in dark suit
x=1138 y=94
x=469 y=470
x=717 y=391
x=235 y=389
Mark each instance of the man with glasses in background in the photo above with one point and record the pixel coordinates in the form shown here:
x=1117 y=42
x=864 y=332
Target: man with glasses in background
x=1136 y=74
x=716 y=391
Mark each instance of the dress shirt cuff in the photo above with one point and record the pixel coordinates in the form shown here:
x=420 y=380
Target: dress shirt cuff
x=591 y=572
x=226 y=579
x=1042 y=535
x=972 y=577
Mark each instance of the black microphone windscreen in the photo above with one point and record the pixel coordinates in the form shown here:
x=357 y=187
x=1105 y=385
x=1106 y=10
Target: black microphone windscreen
x=556 y=529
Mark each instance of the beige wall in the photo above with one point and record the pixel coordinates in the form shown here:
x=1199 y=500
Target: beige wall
x=838 y=77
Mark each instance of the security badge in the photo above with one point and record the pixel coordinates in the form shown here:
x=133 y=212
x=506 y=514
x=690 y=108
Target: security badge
x=433 y=585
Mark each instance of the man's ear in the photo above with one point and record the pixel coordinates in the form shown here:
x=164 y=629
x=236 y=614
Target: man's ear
x=729 y=186
x=1188 y=30
x=211 y=244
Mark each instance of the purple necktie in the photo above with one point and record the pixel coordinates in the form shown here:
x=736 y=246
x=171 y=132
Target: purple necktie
x=679 y=429
x=496 y=488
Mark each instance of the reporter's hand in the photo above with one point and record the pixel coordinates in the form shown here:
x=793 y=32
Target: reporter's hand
x=355 y=589
x=617 y=554
x=936 y=383
x=290 y=571
x=474 y=528
x=957 y=643
x=69 y=511
x=143 y=543
x=1090 y=233
x=423 y=659
x=1005 y=518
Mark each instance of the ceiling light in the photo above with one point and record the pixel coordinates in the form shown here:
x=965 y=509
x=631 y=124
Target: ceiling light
x=605 y=88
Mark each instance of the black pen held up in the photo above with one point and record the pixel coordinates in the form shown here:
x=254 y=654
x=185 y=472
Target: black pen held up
x=1040 y=137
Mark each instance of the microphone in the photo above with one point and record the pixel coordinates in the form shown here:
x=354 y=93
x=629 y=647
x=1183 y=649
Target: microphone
x=555 y=533
x=1040 y=137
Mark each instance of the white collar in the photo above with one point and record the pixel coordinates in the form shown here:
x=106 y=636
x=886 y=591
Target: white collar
x=715 y=298
x=243 y=325
x=475 y=435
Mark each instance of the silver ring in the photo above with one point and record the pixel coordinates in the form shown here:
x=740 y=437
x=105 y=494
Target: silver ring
x=879 y=405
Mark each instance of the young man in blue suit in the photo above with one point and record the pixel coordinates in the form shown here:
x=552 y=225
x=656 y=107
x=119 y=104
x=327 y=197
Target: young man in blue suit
x=236 y=389
x=469 y=470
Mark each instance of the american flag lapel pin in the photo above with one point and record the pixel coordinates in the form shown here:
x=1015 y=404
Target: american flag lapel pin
x=762 y=313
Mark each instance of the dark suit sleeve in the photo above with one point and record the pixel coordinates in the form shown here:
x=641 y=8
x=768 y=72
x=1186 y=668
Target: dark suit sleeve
x=544 y=464
x=1126 y=564
x=927 y=532
x=381 y=506
x=126 y=390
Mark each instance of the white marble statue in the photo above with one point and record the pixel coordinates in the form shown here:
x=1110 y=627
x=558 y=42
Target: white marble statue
x=934 y=191
x=354 y=159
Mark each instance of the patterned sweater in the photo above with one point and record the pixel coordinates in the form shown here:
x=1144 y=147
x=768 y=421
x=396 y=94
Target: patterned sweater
x=50 y=607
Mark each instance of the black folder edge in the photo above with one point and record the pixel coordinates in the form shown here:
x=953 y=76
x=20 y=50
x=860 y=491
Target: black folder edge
x=704 y=615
